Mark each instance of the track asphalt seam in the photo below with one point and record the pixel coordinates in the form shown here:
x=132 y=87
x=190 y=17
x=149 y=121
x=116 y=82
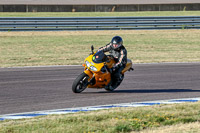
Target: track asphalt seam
x=93 y=108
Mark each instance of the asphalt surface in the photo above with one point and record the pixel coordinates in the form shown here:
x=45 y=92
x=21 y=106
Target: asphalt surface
x=46 y=88
x=94 y=2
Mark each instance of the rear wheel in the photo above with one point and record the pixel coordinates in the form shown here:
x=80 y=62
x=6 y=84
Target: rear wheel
x=80 y=83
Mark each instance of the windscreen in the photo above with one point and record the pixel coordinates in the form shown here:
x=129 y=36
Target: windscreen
x=99 y=57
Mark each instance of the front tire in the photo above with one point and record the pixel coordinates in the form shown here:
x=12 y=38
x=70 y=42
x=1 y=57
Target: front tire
x=80 y=83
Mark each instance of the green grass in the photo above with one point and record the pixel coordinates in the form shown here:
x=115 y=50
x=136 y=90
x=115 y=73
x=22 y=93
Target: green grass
x=66 y=48
x=99 y=14
x=112 y=121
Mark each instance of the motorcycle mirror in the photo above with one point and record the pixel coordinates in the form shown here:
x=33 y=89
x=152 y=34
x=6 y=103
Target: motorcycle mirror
x=92 y=49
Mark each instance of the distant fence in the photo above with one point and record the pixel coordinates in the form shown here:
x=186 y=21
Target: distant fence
x=98 y=23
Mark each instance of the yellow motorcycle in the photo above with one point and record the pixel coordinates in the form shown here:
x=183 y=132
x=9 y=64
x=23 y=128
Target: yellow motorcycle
x=96 y=72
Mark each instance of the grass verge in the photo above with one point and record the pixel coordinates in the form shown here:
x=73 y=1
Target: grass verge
x=72 y=47
x=161 y=118
x=99 y=14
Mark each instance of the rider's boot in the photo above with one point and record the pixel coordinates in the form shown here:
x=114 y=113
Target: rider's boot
x=116 y=82
x=114 y=85
x=108 y=87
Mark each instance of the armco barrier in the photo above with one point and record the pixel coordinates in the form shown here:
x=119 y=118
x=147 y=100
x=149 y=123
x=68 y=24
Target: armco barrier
x=98 y=23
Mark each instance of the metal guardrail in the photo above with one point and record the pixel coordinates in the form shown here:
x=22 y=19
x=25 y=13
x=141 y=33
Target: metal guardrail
x=98 y=23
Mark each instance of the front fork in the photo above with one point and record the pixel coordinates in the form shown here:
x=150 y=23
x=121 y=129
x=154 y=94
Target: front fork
x=91 y=76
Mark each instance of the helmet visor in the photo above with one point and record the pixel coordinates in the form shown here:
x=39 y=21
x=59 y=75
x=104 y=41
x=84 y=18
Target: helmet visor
x=116 y=45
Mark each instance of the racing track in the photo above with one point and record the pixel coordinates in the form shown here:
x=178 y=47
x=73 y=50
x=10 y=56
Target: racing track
x=45 y=88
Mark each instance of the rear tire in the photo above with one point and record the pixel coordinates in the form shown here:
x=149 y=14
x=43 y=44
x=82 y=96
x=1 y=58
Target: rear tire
x=80 y=83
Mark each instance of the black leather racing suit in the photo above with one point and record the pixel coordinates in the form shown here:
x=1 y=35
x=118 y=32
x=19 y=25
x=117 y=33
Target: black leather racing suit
x=120 y=57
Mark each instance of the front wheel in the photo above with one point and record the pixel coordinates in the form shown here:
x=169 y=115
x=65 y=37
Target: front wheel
x=80 y=83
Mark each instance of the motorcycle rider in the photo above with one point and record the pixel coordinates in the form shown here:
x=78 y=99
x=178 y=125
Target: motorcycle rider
x=119 y=52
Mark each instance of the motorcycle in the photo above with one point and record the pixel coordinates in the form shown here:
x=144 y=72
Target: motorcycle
x=96 y=72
